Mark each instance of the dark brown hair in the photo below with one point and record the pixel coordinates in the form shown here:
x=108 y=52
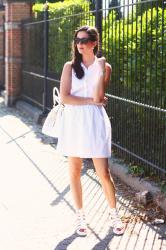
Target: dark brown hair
x=77 y=57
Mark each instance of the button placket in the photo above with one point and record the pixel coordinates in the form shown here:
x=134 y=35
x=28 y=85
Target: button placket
x=86 y=84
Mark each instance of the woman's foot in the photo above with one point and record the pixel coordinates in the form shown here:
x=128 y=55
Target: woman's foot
x=118 y=226
x=81 y=227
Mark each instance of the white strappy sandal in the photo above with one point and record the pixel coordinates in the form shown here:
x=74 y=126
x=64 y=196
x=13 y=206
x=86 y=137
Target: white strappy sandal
x=81 y=227
x=117 y=224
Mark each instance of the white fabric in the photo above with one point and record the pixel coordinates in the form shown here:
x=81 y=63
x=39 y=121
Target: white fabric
x=53 y=120
x=85 y=130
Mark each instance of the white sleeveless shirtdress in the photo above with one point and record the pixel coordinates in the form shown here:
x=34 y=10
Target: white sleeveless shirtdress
x=85 y=130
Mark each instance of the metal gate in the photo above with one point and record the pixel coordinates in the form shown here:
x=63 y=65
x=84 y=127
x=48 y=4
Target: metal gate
x=133 y=36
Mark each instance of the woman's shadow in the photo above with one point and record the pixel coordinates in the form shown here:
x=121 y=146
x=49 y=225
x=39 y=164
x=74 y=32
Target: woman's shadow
x=101 y=245
x=62 y=245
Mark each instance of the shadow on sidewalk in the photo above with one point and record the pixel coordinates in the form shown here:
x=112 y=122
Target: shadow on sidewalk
x=102 y=245
x=62 y=245
x=94 y=200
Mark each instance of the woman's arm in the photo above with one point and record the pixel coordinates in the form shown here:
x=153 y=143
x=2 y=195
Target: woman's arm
x=104 y=78
x=108 y=72
x=65 y=87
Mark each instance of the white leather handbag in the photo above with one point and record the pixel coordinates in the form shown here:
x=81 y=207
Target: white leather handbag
x=52 y=122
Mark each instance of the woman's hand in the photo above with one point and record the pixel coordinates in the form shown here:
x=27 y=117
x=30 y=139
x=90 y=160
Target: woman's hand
x=102 y=103
x=105 y=101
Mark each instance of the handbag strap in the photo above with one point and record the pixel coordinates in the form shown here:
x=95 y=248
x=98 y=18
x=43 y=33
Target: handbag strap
x=56 y=96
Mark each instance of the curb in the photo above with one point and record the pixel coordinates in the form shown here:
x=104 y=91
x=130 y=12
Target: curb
x=118 y=169
x=31 y=111
x=121 y=171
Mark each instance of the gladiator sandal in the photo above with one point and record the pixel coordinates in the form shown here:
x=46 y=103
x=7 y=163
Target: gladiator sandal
x=81 y=227
x=118 y=226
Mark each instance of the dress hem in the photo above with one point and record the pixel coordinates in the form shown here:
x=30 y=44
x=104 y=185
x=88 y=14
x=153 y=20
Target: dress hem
x=83 y=156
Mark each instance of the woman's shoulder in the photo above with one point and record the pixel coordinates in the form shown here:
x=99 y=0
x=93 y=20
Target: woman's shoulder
x=67 y=67
x=108 y=66
x=68 y=64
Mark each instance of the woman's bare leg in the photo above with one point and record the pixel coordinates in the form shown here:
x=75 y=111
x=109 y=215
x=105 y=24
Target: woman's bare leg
x=102 y=170
x=75 y=165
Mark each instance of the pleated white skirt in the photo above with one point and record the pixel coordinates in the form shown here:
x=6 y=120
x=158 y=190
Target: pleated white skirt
x=85 y=132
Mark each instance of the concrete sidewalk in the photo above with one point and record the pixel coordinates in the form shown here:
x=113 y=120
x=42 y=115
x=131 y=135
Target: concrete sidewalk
x=36 y=208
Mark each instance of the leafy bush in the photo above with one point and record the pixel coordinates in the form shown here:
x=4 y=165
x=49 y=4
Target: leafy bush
x=43 y=1
x=61 y=29
x=136 y=49
x=138 y=52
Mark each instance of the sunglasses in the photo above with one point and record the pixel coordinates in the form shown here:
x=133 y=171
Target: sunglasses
x=83 y=40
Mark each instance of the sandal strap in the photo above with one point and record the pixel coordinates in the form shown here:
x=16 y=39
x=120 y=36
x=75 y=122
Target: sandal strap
x=116 y=221
x=81 y=223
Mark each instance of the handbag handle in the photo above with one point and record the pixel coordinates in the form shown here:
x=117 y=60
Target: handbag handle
x=56 y=96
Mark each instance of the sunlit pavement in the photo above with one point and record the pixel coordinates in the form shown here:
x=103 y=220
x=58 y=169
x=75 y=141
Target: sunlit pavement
x=36 y=208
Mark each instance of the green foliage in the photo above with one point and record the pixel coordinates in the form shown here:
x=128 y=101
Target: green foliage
x=61 y=29
x=163 y=186
x=137 y=52
x=136 y=170
x=140 y=171
x=50 y=1
x=136 y=48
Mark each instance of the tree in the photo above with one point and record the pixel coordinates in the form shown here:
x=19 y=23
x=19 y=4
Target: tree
x=112 y=3
x=115 y=3
x=142 y=7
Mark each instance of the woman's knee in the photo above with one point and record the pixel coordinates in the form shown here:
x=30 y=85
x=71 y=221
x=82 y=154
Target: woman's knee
x=102 y=168
x=104 y=174
x=75 y=165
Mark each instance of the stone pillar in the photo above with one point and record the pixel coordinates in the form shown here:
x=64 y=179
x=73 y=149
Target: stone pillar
x=16 y=11
x=2 y=52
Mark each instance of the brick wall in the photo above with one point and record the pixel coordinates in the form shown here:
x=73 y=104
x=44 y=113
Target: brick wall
x=2 y=59
x=15 y=12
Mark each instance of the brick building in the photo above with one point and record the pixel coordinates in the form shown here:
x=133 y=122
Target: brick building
x=12 y=12
x=2 y=47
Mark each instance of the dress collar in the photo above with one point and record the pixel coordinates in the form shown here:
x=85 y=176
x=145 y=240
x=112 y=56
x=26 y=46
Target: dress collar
x=90 y=64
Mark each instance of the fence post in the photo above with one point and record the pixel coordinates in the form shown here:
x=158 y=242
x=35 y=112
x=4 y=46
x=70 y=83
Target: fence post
x=46 y=27
x=98 y=23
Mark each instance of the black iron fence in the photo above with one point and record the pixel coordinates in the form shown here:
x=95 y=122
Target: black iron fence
x=134 y=43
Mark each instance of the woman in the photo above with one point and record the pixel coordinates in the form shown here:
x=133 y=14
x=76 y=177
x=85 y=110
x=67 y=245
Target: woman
x=86 y=129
